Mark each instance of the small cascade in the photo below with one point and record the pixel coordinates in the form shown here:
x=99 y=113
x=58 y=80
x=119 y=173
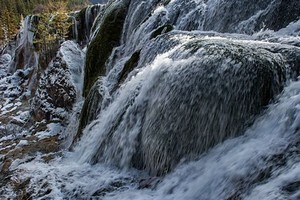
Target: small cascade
x=83 y=22
x=24 y=56
x=75 y=24
x=262 y=164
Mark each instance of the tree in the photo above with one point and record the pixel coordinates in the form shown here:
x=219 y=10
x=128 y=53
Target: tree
x=52 y=29
x=12 y=10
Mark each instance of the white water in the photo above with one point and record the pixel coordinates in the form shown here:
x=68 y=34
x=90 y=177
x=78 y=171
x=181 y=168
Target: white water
x=257 y=165
x=216 y=175
x=92 y=15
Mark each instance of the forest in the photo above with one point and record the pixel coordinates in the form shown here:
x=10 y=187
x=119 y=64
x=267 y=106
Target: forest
x=12 y=12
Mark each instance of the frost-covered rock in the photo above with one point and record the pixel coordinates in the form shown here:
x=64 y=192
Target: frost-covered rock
x=60 y=84
x=4 y=62
x=55 y=94
x=74 y=58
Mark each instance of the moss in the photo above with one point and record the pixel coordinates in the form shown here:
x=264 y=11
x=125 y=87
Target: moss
x=108 y=37
x=161 y=30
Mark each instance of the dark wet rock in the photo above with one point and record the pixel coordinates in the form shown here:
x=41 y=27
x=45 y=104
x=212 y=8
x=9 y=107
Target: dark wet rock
x=292 y=187
x=131 y=63
x=283 y=13
x=84 y=22
x=161 y=30
x=149 y=183
x=107 y=38
x=93 y=102
x=112 y=187
x=90 y=109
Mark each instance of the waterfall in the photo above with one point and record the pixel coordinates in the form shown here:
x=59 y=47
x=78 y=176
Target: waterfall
x=184 y=99
x=172 y=99
x=84 y=22
x=240 y=167
x=261 y=164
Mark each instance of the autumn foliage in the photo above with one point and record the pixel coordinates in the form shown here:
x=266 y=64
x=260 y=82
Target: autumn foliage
x=12 y=11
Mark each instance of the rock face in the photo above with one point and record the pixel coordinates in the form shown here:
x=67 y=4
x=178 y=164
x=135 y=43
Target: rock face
x=283 y=13
x=90 y=109
x=107 y=38
x=59 y=85
x=55 y=93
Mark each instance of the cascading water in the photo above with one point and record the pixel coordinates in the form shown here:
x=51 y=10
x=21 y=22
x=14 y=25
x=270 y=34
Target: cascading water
x=25 y=57
x=85 y=21
x=192 y=99
x=262 y=164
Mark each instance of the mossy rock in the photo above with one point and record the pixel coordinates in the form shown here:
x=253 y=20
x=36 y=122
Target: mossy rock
x=92 y=105
x=193 y=105
x=90 y=110
x=107 y=38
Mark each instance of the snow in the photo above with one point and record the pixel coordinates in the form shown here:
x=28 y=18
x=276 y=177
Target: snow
x=22 y=143
x=52 y=130
x=8 y=147
x=6 y=138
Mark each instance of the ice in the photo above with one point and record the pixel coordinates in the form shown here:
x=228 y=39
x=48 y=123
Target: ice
x=53 y=129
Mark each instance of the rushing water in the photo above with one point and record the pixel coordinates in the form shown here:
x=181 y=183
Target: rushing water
x=205 y=109
x=261 y=164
